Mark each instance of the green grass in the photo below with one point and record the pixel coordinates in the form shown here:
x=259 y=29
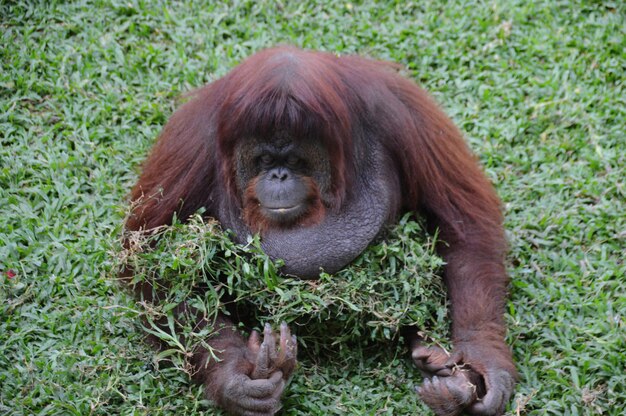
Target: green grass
x=539 y=88
x=392 y=285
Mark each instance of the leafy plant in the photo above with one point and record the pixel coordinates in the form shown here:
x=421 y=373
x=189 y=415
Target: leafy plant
x=392 y=285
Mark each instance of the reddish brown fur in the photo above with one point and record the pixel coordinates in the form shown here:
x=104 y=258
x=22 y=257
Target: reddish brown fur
x=192 y=166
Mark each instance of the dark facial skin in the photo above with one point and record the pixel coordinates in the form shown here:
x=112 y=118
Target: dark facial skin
x=281 y=192
x=277 y=168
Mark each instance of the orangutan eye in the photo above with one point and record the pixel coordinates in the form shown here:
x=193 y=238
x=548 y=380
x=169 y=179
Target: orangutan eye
x=293 y=161
x=266 y=160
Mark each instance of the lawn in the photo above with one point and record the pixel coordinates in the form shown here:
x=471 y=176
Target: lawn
x=538 y=87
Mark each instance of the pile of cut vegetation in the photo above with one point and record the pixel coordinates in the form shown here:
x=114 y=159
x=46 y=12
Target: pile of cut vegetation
x=392 y=285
